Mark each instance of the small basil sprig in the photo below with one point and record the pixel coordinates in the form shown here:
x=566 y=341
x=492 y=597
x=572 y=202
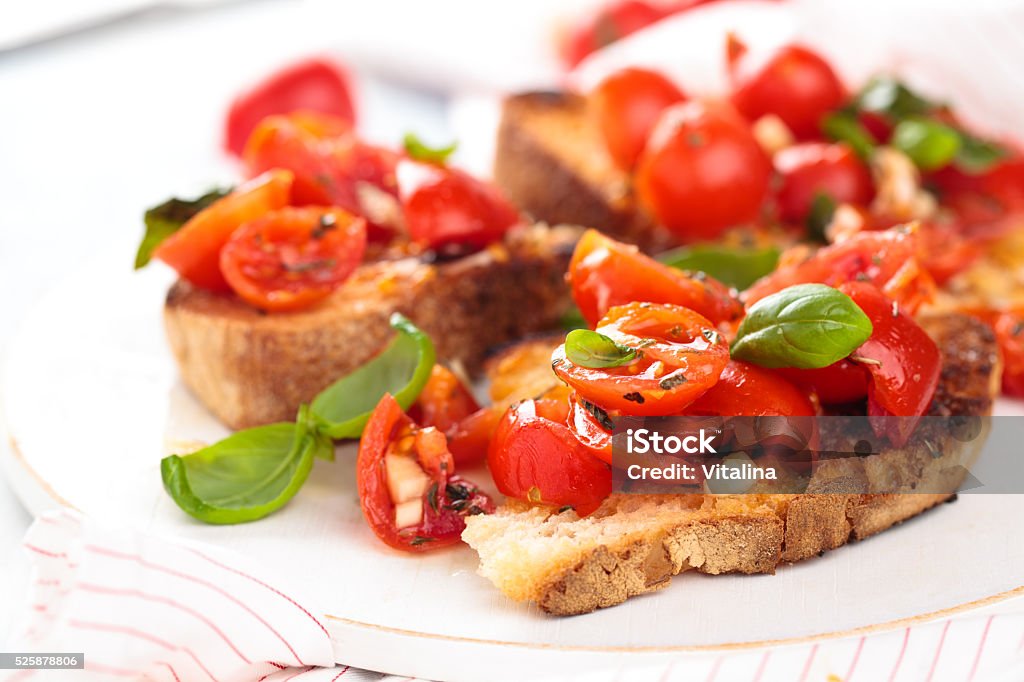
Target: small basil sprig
x=929 y=144
x=843 y=126
x=886 y=95
x=402 y=369
x=805 y=326
x=733 y=266
x=246 y=476
x=420 y=151
x=590 y=349
x=164 y=220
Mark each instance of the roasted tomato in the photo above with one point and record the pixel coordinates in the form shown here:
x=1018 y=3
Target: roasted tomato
x=332 y=167
x=746 y=390
x=702 y=171
x=535 y=457
x=888 y=259
x=611 y=23
x=815 y=168
x=313 y=85
x=902 y=361
x=293 y=257
x=408 y=489
x=626 y=105
x=606 y=273
x=592 y=426
x=1010 y=334
x=841 y=382
x=194 y=250
x=445 y=206
x=679 y=355
x=795 y=83
x=447 y=404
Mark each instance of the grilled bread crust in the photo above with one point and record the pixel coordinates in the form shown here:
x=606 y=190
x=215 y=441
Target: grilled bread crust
x=634 y=544
x=251 y=368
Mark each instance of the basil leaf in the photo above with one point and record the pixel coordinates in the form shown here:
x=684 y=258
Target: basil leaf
x=977 y=155
x=844 y=126
x=402 y=369
x=590 y=349
x=823 y=207
x=416 y=149
x=246 y=476
x=886 y=95
x=164 y=220
x=735 y=267
x=929 y=144
x=806 y=326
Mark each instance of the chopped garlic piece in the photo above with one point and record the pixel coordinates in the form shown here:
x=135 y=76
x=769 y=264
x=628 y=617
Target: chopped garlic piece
x=408 y=513
x=772 y=133
x=406 y=480
x=898 y=187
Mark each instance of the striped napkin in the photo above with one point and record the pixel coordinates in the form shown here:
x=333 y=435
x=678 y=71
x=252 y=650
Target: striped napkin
x=142 y=607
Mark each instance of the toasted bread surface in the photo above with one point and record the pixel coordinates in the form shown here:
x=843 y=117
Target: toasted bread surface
x=253 y=368
x=635 y=543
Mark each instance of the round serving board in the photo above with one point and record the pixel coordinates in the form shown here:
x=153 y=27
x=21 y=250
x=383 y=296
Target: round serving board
x=93 y=402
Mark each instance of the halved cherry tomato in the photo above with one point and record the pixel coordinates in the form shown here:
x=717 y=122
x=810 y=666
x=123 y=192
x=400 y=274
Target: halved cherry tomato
x=702 y=171
x=679 y=356
x=312 y=85
x=293 y=257
x=536 y=458
x=840 y=382
x=194 y=250
x=746 y=390
x=795 y=83
x=446 y=206
x=814 y=168
x=1010 y=334
x=626 y=105
x=470 y=437
x=447 y=404
x=438 y=498
x=611 y=23
x=903 y=362
x=887 y=259
x=606 y=273
x=593 y=432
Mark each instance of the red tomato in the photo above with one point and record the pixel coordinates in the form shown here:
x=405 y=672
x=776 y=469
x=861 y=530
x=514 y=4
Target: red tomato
x=702 y=171
x=887 y=259
x=443 y=504
x=626 y=105
x=194 y=250
x=470 y=437
x=746 y=390
x=815 y=168
x=795 y=83
x=988 y=204
x=591 y=431
x=1010 y=334
x=606 y=273
x=679 y=356
x=444 y=206
x=311 y=85
x=611 y=23
x=841 y=382
x=902 y=361
x=448 y=405
x=293 y=257
x=331 y=166
x=535 y=457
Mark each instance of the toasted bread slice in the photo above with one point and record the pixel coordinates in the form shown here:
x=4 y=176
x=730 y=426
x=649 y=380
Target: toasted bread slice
x=635 y=543
x=252 y=368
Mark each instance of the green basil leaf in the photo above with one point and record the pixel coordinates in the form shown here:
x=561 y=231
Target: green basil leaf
x=418 y=150
x=402 y=369
x=244 y=477
x=589 y=349
x=929 y=144
x=843 y=126
x=886 y=95
x=823 y=207
x=733 y=266
x=164 y=220
x=977 y=155
x=806 y=326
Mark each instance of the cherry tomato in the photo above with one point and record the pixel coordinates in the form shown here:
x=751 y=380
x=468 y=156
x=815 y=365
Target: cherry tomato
x=593 y=432
x=312 y=85
x=398 y=458
x=988 y=204
x=902 y=361
x=1010 y=334
x=679 y=356
x=446 y=403
x=746 y=390
x=887 y=259
x=840 y=382
x=702 y=171
x=332 y=167
x=626 y=105
x=293 y=257
x=444 y=206
x=606 y=273
x=194 y=250
x=795 y=83
x=536 y=458
x=470 y=437
x=814 y=168
x=611 y=23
